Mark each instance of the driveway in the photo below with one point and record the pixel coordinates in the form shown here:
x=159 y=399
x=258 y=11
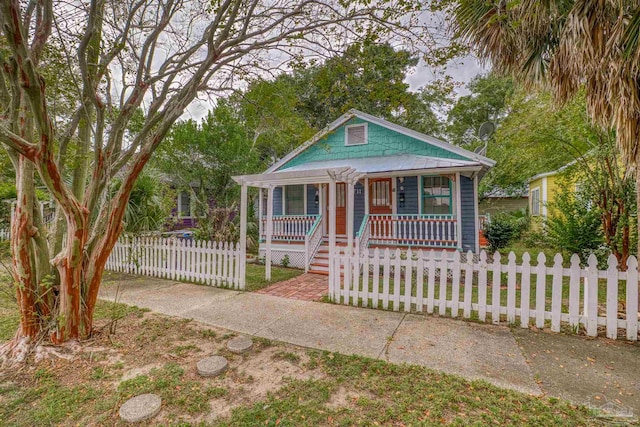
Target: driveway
x=585 y=371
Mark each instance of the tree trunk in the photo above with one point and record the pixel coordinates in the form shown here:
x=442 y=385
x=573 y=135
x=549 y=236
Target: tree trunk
x=22 y=230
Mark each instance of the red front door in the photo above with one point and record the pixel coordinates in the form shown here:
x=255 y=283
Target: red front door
x=341 y=207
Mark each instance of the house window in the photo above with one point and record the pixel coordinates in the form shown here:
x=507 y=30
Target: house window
x=341 y=198
x=535 y=201
x=294 y=202
x=356 y=134
x=436 y=195
x=184 y=204
x=380 y=193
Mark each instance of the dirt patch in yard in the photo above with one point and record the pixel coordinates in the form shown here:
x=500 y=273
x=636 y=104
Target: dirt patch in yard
x=150 y=352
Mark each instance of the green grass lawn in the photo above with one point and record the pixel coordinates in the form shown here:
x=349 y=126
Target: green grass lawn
x=256 y=280
x=313 y=388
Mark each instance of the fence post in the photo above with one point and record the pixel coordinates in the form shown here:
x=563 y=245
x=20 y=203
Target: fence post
x=612 y=298
x=482 y=287
x=511 y=288
x=495 y=290
x=541 y=280
x=468 y=285
x=591 y=296
x=556 y=293
x=632 y=298
x=574 y=292
x=525 y=290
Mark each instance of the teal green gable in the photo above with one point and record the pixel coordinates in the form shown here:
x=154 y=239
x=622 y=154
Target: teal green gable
x=382 y=142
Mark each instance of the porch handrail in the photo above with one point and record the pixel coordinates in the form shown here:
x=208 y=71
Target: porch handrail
x=363 y=235
x=312 y=241
x=438 y=230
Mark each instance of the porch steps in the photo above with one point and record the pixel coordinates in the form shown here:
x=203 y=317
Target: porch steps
x=320 y=263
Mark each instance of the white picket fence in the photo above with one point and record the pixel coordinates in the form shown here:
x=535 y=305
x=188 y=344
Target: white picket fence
x=198 y=261
x=4 y=235
x=547 y=296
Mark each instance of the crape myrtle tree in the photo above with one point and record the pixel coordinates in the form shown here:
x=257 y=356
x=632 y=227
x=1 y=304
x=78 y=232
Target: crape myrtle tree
x=132 y=60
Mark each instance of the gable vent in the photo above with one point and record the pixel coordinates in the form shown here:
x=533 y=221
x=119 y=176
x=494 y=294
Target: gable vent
x=356 y=134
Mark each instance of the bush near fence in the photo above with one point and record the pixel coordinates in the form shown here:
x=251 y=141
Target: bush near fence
x=548 y=296
x=198 y=261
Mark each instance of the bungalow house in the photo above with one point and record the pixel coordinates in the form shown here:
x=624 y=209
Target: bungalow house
x=361 y=183
x=544 y=187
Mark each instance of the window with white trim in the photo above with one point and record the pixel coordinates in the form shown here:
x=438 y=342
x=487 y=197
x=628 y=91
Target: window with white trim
x=535 y=201
x=294 y=202
x=356 y=134
x=437 y=197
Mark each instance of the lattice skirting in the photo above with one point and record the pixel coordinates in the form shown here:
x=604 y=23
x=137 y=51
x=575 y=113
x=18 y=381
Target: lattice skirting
x=296 y=257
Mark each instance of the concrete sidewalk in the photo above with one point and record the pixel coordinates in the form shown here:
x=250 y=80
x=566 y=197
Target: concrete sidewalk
x=472 y=350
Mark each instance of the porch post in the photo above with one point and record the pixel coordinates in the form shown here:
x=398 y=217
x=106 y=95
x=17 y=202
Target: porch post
x=331 y=203
x=366 y=196
x=458 y=194
x=260 y=210
x=350 y=208
x=243 y=235
x=267 y=258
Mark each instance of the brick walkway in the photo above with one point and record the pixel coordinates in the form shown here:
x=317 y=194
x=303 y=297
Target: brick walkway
x=306 y=287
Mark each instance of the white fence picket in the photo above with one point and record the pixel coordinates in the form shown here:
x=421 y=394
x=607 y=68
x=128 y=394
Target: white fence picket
x=632 y=299
x=204 y=262
x=612 y=298
x=525 y=290
x=556 y=293
x=398 y=279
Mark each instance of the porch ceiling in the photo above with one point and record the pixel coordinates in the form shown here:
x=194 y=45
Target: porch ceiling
x=343 y=169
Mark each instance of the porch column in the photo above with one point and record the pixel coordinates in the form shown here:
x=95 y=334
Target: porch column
x=260 y=210
x=458 y=195
x=366 y=196
x=243 y=235
x=267 y=258
x=350 y=212
x=331 y=203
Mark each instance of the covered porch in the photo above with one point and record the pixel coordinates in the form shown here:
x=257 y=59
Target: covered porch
x=309 y=211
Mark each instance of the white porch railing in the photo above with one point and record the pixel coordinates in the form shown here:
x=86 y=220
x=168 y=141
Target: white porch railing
x=4 y=234
x=524 y=293
x=414 y=230
x=312 y=242
x=363 y=235
x=289 y=227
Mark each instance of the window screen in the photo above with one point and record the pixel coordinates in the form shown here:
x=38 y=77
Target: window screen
x=185 y=204
x=380 y=193
x=356 y=135
x=436 y=195
x=535 y=201
x=294 y=204
x=340 y=195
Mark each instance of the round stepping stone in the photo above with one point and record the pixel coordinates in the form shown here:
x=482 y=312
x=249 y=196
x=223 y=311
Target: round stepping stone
x=239 y=345
x=140 y=408
x=212 y=366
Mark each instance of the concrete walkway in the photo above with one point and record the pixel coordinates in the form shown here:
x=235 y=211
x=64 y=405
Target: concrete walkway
x=472 y=350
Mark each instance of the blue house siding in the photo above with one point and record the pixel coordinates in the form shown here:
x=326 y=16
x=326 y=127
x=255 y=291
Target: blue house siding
x=312 y=209
x=277 y=201
x=358 y=207
x=410 y=205
x=467 y=214
x=381 y=142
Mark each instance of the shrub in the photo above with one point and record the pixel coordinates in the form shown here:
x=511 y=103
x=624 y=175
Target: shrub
x=501 y=230
x=576 y=227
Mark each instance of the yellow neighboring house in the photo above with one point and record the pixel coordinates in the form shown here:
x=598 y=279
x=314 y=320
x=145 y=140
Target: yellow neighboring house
x=544 y=188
